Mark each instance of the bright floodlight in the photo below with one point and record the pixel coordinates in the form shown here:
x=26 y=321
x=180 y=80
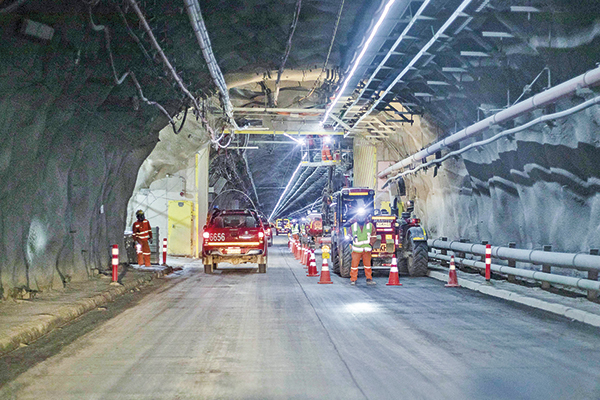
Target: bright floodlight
x=327 y=139
x=361 y=211
x=301 y=142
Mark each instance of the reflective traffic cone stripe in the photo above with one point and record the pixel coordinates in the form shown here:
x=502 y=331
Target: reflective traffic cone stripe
x=312 y=265
x=452 y=279
x=325 y=276
x=394 y=279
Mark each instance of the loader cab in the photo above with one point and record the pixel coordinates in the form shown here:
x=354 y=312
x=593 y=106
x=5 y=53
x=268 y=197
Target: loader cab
x=352 y=202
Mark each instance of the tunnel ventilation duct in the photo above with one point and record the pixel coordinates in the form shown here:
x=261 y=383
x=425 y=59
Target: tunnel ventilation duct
x=195 y=14
x=567 y=88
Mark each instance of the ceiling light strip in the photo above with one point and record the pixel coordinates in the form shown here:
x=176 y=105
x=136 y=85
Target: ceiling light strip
x=412 y=62
x=285 y=190
x=359 y=59
x=389 y=54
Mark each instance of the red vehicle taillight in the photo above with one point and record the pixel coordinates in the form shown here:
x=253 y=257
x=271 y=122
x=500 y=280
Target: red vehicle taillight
x=415 y=220
x=206 y=235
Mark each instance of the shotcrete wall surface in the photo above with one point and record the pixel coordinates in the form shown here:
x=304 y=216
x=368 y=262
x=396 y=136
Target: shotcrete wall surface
x=68 y=158
x=540 y=187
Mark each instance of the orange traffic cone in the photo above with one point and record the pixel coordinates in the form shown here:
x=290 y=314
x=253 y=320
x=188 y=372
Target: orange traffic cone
x=325 y=277
x=393 y=280
x=312 y=265
x=303 y=261
x=297 y=251
x=452 y=279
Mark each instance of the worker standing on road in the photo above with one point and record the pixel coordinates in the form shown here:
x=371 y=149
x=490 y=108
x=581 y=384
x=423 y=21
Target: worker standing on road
x=142 y=233
x=295 y=230
x=362 y=240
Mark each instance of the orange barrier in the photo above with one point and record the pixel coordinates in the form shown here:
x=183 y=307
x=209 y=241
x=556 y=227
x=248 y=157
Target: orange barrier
x=312 y=265
x=325 y=276
x=394 y=279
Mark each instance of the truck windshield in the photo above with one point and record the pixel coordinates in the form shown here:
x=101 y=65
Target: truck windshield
x=236 y=221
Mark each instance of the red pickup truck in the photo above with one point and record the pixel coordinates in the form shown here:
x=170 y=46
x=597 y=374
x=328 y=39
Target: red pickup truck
x=235 y=237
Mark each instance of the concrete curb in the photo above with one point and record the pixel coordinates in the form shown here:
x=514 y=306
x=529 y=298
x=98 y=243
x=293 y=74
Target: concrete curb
x=559 y=309
x=37 y=328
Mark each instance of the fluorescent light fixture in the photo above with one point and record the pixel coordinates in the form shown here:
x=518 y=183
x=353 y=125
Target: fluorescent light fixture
x=359 y=59
x=285 y=191
x=299 y=141
x=402 y=36
x=457 y=13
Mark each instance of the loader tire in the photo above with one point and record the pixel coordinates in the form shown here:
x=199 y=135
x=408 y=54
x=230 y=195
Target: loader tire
x=335 y=259
x=417 y=263
x=345 y=260
x=402 y=262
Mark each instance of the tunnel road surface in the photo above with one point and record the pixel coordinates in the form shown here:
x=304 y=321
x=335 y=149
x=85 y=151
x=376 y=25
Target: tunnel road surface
x=280 y=335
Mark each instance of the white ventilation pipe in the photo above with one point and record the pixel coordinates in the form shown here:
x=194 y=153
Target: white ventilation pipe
x=549 y=96
x=195 y=14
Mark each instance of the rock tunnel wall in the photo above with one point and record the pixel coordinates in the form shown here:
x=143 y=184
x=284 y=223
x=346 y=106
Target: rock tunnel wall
x=542 y=187
x=70 y=149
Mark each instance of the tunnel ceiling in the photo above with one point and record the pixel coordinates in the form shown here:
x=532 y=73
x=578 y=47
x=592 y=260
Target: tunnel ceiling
x=485 y=60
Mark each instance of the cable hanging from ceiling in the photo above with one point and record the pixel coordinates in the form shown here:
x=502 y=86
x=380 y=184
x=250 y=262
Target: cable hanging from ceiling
x=318 y=81
x=288 y=48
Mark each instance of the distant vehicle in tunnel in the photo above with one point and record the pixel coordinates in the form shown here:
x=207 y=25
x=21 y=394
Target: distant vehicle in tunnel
x=267 y=228
x=282 y=226
x=403 y=238
x=236 y=237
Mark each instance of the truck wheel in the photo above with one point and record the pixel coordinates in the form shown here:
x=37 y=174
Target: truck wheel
x=210 y=268
x=262 y=268
x=417 y=258
x=345 y=261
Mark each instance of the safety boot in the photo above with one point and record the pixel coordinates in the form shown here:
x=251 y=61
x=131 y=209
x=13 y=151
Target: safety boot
x=352 y=283
x=371 y=282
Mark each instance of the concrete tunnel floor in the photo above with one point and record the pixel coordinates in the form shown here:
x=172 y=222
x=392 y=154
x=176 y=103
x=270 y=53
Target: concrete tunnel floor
x=238 y=334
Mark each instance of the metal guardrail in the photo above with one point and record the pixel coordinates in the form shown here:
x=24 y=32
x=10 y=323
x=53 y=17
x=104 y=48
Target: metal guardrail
x=546 y=258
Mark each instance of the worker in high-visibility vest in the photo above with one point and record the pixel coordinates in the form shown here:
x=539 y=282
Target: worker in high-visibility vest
x=362 y=241
x=295 y=230
x=142 y=234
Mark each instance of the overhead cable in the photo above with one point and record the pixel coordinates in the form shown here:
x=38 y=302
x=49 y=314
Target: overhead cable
x=288 y=48
x=119 y=81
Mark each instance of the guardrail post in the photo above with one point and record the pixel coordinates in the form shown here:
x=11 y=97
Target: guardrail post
x=512 y=263
x=593 y=275
x=444 y=252
x=546 y=268
x=488 y=262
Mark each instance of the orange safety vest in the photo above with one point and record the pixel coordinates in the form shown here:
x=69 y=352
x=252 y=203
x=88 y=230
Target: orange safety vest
x=142 y=230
